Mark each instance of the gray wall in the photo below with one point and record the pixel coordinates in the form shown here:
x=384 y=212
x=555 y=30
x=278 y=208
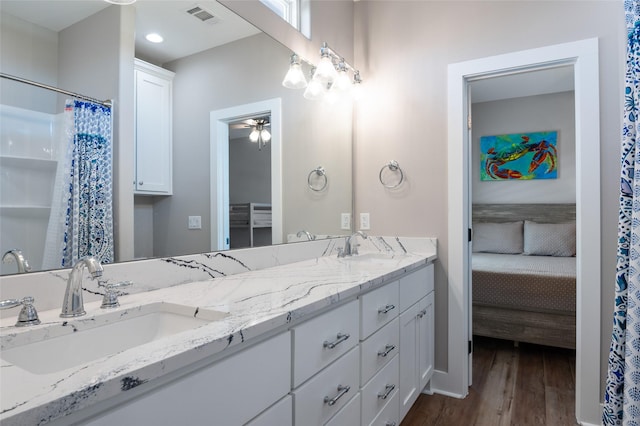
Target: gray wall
x=406 y=47
x=249 y=172
x=28 y=51
x=529 y=114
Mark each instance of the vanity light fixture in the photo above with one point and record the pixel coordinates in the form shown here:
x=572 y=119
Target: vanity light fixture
x=329 y=80
x=259 y=134
x=154 y=38
x=295 y=77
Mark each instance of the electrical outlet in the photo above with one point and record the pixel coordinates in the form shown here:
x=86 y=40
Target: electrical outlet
x=345 y=221
x=364 y=221
x=195 y=222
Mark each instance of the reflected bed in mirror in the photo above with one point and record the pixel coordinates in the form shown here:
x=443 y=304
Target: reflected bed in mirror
x=243 y=66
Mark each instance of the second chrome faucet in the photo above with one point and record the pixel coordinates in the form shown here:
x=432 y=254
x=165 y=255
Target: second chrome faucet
x=72 y=304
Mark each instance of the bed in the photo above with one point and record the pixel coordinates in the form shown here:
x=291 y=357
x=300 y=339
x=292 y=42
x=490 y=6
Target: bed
x=524 y=273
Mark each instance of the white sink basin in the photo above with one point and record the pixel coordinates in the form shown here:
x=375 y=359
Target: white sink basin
x=367 y=257
x=86 y=339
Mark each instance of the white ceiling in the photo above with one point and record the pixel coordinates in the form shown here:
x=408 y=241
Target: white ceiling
x=183 y=34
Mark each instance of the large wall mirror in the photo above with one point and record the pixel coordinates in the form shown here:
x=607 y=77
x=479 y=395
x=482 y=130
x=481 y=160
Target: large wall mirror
x=220 y=63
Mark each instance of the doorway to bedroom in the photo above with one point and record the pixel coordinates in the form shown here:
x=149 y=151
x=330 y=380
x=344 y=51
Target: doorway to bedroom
x=582 y=56
x=523 y=260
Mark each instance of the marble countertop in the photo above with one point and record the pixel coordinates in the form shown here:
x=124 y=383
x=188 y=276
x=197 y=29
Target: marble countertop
x=257 y=302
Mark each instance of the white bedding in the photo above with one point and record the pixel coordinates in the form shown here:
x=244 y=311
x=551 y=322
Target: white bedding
x=548 y=266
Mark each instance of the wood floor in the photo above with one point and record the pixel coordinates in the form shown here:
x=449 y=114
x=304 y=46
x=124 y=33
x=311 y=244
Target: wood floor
x=525 y=385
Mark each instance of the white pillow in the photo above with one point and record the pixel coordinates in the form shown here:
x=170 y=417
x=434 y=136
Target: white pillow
x=549 y=239
x=505 y=237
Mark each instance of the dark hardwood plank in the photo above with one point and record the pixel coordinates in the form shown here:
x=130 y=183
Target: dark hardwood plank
x=525 y=385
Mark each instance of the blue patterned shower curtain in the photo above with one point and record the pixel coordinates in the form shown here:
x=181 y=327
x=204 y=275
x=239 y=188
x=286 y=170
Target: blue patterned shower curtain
x=622 y=394
x=81 y=221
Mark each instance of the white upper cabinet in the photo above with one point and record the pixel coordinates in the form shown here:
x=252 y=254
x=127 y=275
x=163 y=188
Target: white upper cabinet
x=153 y=129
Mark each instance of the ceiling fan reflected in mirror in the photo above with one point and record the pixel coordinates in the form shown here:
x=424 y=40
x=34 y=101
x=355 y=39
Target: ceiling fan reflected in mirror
x=258 y=129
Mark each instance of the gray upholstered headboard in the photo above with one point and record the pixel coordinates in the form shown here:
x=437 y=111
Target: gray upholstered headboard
x=542 y=213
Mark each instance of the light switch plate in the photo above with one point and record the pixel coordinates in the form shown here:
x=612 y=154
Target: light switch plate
x=364 y=221
x=195 y=222
x=345 y=221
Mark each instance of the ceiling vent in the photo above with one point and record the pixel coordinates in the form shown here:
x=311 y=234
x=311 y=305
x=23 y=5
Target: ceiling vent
x=202 y=14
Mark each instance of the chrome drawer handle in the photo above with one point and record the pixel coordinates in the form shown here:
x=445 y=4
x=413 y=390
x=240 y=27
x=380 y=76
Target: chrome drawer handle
x=422 y=313
x=387 y=391
x=387 y=349
x=386 y=309
x=390 y=424
x=341 y=391
x=341 y=337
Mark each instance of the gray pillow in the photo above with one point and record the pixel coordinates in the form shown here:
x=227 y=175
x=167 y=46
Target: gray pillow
x=549 y=239
x=503 y=237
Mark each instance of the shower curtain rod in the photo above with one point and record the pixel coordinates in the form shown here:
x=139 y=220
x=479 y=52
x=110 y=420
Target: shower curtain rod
x=106 y=103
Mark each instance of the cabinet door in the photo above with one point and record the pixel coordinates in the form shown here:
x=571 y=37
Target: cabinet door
x=409 y=358
x=153 y=134
x=426 y=333
x=231 y=391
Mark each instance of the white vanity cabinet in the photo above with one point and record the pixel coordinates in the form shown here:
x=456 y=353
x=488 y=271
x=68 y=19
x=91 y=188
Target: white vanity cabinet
x=416 y=335
x=231 y=391
x=153 y=97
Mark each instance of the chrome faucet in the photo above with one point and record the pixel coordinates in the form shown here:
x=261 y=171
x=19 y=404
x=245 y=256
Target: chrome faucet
x=21 y=261
x=72 y=304
x=350 y=248
x=310 y=237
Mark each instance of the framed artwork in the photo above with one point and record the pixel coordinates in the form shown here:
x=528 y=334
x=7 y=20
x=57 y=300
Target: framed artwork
x=519 y=156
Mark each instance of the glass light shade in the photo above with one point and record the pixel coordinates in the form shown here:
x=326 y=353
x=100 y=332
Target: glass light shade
x=294 y=78
x=254 y=135
x=326 y=71
x=342 y=82
x=121 y=2
x=315 y=90
x=266 y=136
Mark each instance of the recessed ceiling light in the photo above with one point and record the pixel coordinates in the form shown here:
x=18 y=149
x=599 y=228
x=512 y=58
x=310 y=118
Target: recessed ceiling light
x=154 y=38
x=121 y=2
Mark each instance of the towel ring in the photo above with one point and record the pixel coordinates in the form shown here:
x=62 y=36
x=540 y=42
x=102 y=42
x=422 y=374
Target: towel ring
x=320 y=175
x=394 y=167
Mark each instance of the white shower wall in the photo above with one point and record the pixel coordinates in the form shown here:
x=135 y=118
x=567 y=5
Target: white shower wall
x=30 y=143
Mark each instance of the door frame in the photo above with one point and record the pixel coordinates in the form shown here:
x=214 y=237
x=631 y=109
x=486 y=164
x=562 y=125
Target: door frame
x=219 y=167
x=583 y=56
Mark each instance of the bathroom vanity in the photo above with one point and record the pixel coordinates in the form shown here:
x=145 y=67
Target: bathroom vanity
x=324 y=340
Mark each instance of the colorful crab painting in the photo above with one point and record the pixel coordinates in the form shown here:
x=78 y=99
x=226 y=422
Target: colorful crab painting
x=519 y=156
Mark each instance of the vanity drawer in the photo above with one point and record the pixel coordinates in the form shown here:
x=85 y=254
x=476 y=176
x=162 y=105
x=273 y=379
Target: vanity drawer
x=380 y=390
x=378 y=350
x=415 y=286
x=378 y=308
x=348 y=416
x=322 y=340
x=324 y=395
x=390 y=414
